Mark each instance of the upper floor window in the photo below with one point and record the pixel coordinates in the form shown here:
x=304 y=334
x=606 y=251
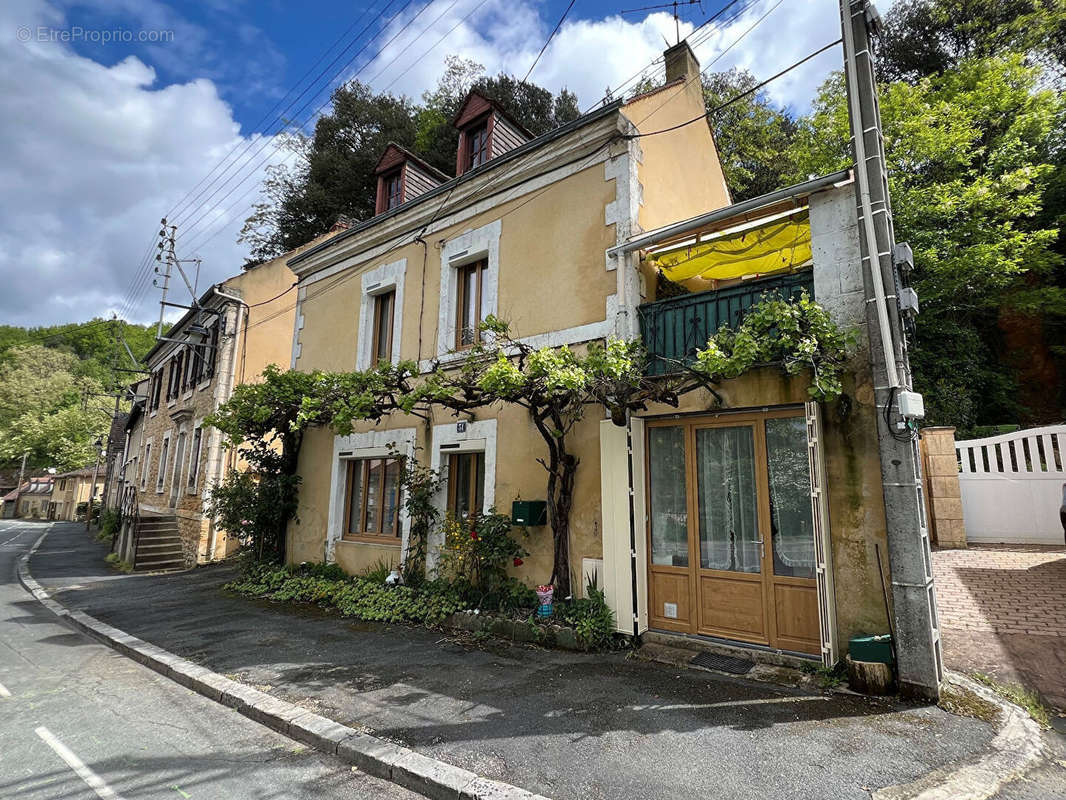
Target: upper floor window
x=155 y=386
x=393 y=189
x=194 y=458
x=384 y=312
x=469 y=302
x=477 y=145
x=372 y=503
x=162 y=471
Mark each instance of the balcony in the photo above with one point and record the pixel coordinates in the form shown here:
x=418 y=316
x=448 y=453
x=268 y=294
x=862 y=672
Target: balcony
x=674 y=328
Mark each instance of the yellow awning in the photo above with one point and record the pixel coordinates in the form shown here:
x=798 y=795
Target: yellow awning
x=777 y=245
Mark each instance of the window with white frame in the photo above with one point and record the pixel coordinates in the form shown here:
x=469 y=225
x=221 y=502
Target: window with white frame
x=194 y=458
x=163 y=453
x=470 y=269
x=144 y=465
x=381 y=315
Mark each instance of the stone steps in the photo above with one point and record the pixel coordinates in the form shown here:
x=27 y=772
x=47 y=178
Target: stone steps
x=159 y=545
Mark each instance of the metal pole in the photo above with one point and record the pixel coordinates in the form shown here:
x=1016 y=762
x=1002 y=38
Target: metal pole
x=18 y=489
x=920 y=665
x=92 y=489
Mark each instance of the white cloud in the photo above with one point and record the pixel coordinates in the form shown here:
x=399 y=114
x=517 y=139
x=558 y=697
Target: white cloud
x=588 y=56
x=92 y=157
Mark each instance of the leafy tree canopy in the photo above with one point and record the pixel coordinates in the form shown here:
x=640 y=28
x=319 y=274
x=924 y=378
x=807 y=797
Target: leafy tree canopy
x=969 y=155
x=334 y=172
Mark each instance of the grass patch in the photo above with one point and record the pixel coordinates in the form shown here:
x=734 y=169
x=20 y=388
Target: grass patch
x=961 y=701
x=828 y=677
x=118 y=563
x=1020 y=696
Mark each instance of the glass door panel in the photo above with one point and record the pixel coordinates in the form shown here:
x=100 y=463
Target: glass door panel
x=791 y=526
x=728 y=499
x=667 y=501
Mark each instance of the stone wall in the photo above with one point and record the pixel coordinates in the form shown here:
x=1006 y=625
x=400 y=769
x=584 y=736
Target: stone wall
x=940 y=475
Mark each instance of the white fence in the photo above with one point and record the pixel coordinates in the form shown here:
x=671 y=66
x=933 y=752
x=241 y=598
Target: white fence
x=1012 y=486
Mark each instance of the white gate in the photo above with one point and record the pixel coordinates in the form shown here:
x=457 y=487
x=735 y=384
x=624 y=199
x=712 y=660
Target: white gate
x=1011 y=486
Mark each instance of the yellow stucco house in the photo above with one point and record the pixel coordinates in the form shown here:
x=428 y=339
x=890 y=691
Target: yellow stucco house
x=73 y=489
x=752 y=520
x=171 y=459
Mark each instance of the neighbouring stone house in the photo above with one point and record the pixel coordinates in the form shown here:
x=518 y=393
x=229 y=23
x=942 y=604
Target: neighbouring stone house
x=171 y=459
x=754 y=519
x=31 y=500
x=71 y=492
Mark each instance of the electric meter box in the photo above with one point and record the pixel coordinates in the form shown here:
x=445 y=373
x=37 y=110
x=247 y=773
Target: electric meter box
x=911 y=405
x=529 y=512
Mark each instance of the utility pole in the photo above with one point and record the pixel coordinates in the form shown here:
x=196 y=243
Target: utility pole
x=18 y=488
x=914 y=612
x=166 y=256
x=92 y=486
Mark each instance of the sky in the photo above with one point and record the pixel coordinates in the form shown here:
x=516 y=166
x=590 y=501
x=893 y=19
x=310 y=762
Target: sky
x=113 y=113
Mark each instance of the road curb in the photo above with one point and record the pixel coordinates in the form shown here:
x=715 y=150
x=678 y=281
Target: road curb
x=1015 y=748
x=400 y=765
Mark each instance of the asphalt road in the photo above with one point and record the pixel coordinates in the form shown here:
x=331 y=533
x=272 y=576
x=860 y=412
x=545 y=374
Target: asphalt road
x=80 y=721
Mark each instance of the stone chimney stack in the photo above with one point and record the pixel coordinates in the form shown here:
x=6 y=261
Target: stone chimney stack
x=681 y=63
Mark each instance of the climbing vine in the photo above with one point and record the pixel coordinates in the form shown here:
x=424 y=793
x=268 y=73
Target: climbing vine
x=796 y=334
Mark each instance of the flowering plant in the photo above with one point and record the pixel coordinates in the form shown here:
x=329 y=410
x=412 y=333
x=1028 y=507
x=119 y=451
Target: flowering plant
x=477 y=549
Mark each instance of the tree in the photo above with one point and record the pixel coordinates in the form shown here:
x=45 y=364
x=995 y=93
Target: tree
x=752 y=136
x=266 y=421
x=555 y=386
x=929 y=37
x=333 y=175
x=969 y=156
x=48 y=410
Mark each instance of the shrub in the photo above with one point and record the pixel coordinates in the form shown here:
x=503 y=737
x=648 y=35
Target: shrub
x=477 y=552
x=590 y=617
x=110 y=522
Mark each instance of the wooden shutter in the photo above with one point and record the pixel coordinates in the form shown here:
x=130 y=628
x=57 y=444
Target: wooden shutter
x=823 y=573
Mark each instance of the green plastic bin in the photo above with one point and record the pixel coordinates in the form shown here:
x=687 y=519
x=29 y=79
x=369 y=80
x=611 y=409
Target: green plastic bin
x=876 y=648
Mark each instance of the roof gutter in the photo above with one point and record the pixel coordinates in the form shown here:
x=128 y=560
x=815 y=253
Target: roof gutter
x=755 y=203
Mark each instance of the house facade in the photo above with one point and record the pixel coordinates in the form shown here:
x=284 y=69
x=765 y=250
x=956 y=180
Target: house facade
x=171 y=458
x=753 y=516
x=31 y=500
x=71 y=492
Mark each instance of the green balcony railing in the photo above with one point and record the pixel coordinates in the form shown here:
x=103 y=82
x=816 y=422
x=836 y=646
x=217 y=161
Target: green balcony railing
x=673 y=329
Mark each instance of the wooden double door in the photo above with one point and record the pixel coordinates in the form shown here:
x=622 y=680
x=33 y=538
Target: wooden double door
x=731 y=534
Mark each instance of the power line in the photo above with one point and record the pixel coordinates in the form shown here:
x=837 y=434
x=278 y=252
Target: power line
x=551 y=36
x=186 y=227
x=177 y=217
x=269 y=114
x=740 y=96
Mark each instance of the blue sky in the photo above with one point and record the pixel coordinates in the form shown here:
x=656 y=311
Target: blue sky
x=102 y=138
x=255 y=51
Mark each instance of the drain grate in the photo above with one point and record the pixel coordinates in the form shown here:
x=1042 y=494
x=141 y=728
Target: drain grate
x=737 y=666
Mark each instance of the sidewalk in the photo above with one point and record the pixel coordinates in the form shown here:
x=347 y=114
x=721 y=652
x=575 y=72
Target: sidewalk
x=1003 y=612
x=564 y=725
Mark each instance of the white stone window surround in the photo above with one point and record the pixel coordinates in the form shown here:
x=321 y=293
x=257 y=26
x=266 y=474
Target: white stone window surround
x=466 y=248
x=164 y=457
x=479 y=437
x=194 y=457
x=372 y=444
x=379 y=281
x=146 y=465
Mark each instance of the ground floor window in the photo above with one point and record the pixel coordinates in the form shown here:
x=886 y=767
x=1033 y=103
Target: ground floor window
x=466 y=484
x=372 y=499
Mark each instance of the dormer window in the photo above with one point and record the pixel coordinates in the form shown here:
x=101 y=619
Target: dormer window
x=486 y=131
x=393 y=189
x=403 y=176
x=477 y=145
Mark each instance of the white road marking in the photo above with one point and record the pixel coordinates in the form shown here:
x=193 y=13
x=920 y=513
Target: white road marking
x=13 y=538
x=94 y=781
x=3 y=691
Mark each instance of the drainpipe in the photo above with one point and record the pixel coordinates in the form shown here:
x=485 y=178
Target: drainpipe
x=223 y=391
x=632 y=526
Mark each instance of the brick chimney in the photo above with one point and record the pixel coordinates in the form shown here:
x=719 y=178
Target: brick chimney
x=681 y=63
